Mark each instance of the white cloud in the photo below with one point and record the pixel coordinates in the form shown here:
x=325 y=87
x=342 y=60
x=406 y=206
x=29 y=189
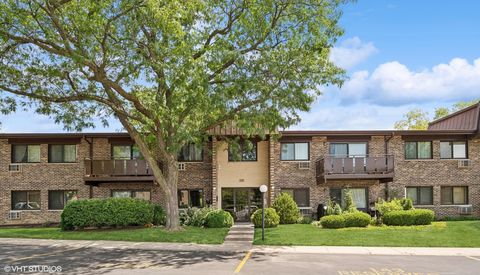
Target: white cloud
x=351 y=52
x=394 y=83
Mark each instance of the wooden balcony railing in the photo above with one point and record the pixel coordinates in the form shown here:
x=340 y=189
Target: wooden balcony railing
x=369 y=167
x=116 y=168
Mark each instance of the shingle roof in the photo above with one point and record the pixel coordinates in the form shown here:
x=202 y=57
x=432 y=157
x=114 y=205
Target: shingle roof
x=465 y=119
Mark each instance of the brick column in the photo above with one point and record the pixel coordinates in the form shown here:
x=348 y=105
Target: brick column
x=214 y=173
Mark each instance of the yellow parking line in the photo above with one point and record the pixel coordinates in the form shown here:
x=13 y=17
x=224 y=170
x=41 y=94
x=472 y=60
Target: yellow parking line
x=242 y=263
x=473 y=258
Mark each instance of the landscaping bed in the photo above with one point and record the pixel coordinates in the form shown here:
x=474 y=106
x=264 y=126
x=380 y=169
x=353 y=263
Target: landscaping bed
x=189 y=234
x=438 y=234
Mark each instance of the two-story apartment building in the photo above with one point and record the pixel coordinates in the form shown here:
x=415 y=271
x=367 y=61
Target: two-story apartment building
x=438 y=168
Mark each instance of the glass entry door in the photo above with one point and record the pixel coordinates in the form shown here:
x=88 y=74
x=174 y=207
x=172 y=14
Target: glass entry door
x=241 y=202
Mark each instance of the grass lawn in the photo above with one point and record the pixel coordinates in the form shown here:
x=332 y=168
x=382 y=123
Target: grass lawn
x=439 y=234
x=187 y=235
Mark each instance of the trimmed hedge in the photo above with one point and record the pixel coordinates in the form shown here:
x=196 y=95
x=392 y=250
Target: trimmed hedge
x=286 y=208
x=159 y=215
x=409 y=217
x=218 y=218
x=357 y=219
x=272 y=219
x=333 y=221
x=111 y=212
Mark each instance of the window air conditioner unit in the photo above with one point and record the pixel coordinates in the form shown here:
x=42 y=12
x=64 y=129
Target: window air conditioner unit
x=304 y=165
x=181 y=166
x=14 y=215
x=14 y=167
x=465 y=210
x=464 y=163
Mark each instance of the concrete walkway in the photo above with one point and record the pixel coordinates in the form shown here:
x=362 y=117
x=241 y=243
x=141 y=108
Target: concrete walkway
x=240 y=236
x=241 y=246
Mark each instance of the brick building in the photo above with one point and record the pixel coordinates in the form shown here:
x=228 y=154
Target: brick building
x=438 y=168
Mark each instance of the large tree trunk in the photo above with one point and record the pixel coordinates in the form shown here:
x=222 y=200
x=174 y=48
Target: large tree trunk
x=170 y=171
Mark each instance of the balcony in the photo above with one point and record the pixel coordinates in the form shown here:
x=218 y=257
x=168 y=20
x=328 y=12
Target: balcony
x=135 y=170
x=370 y=167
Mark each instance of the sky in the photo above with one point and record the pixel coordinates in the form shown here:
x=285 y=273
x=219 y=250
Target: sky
x=398 y=55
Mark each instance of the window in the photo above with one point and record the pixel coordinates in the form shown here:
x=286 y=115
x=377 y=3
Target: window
x=126 y=152
x=57 y=199
x=191 y=152
x=454 y=195
x=420 y=195
x=245 y=151
x=359 y=196
x=300 y=196
x=62 y=153
x=418 y=150
x=356 y=149
x=453 y=149
x=25 y=200
x=137 y=194
x=295 y=151
x=190 y=198
x=25 y=153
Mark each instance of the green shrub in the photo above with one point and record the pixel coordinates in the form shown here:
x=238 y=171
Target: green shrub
x=384 y=207
x=305 y=220
x=356 y=219
x=409 y=217
x=218 y=218
x=330 y=208
x=159 y=215
x=199 y=216
x=333 y=221
x=106 y=212
x=272 y=219
x=407 y=204
x=337 y=210
x=349 y=203
x=286 y=208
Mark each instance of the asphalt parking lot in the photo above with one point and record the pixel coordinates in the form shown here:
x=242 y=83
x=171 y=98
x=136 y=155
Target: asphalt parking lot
x=15 y=259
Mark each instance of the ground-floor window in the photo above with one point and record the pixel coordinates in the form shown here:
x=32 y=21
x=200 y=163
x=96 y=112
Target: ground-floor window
x=359 y=195
x=420 y=195
x=190 y=198
x=454 y=195
x=26 y=200
x=57 y=199
x=138 y=194
x=300 y=195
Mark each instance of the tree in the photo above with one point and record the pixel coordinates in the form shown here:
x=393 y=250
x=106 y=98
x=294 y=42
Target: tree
x=169 y=71
x=444 y=111
x=415 y=119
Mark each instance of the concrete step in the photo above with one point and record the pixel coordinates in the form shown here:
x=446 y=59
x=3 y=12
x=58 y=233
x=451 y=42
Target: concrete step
x=241 y=233
x=232 y=239
x=242 y=229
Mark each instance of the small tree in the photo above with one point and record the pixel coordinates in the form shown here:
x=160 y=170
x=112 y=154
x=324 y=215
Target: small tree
x=350 y=206
x=286 y=208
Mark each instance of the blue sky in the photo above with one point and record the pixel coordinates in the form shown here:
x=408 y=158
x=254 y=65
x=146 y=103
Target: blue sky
x=399 y=55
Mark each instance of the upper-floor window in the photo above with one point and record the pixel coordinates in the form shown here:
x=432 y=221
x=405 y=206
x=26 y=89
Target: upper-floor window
x=25 y=200
x=351 y=149
x=137 y=194
x=453 y=149
x=454 y=195
x=25 y=153
x=295 y=151
x=420 y=195
x=125 y=152
x=57 y=199
x=190 y=152
x=418 y=150
x=245 y=151
x=62 y=153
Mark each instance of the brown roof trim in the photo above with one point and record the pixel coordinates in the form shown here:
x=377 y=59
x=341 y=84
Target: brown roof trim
x=62 y=135
x=476 y=105
x=376 y=132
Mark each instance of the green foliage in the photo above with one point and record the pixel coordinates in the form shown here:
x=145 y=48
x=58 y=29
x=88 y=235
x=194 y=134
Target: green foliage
x=198 y=216
x=415 y=119
x=357 y=219
x=350 y=206
x=272 y=219
x=286 y=208
x=110 y=212
x=305 y=220
x=337 y=210
x=330 y=208
x=409 y=217
x=384 y=207
x=218 y=218
x=159 y=215
x=407 y=204
x=333 y=221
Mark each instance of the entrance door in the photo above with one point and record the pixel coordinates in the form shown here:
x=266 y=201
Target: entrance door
x=241 y=202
